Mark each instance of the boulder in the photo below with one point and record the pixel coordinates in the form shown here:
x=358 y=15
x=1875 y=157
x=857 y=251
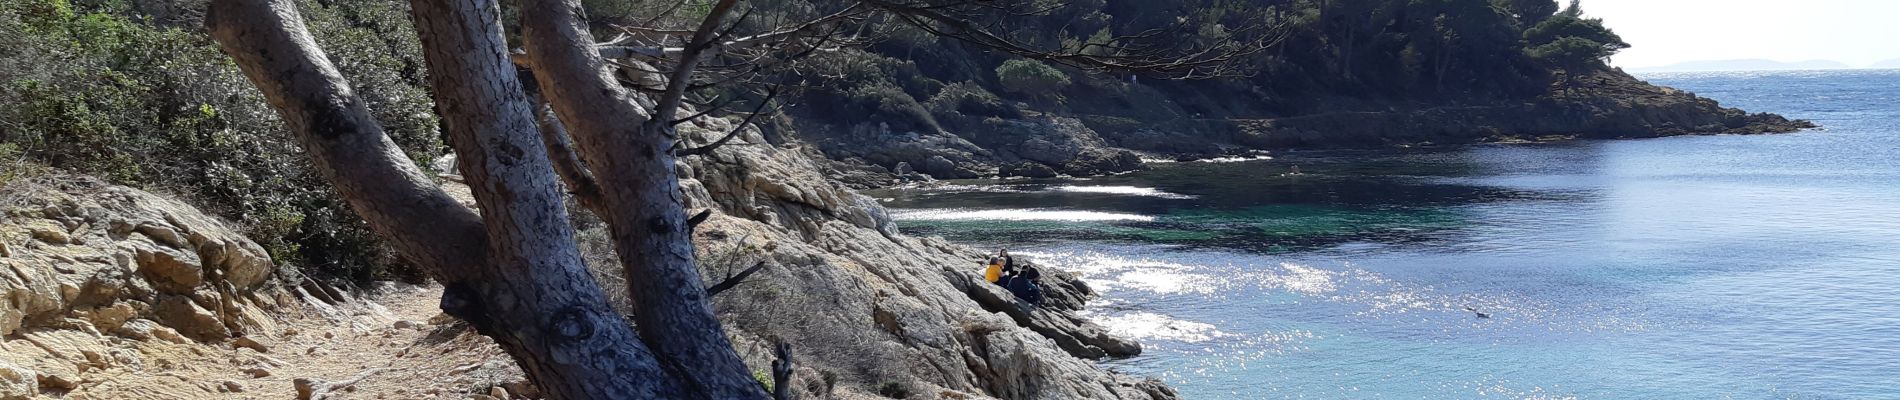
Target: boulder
x=86 y=259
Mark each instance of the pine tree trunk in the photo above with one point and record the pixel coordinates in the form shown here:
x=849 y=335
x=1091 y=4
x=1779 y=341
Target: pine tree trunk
x=631 y=155
x=515 y=274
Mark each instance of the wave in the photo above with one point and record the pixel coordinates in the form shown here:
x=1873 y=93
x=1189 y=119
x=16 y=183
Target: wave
x=1013 y=214
x=1218 y=160
x=1122 y=190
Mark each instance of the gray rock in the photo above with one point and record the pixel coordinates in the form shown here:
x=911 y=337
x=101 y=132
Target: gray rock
x=866 y=307
x=1028 y=170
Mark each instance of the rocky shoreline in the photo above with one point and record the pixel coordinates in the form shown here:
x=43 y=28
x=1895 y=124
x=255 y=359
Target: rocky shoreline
x=1601 y=105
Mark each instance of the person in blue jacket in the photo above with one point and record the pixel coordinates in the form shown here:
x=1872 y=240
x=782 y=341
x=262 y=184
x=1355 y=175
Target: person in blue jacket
x=1027 y=285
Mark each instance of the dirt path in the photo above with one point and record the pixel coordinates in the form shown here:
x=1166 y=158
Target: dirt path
x=380 y=346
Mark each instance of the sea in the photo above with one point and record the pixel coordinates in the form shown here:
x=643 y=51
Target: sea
x=1691 y=267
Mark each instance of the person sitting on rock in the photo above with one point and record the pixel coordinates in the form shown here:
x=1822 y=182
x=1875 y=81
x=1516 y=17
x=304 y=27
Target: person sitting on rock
x=1008 y=271
x=1027 y=285
x=994 y=273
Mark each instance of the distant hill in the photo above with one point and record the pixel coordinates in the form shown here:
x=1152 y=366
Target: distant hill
x=1744 y=65
x=1888 y=64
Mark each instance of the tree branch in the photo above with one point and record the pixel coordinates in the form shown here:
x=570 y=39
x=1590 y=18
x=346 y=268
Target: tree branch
x=269 y=43
x=782 y=371
x=682 y=75
x=756 y=111
x=734 y=280
x=697 y=219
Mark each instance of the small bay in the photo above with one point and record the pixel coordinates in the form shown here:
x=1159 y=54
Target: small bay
x=1726 y=266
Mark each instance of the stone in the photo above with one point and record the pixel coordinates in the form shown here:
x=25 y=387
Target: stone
x=248 y=343
x=17 y=382
x=51 y=235
x=498 y=392
x=231 y=387
x=57 y=383
x=145 y=329
x=305 y=387
x=1028 y=170
x=257 y=372
x=522 y=389
x=188 y=318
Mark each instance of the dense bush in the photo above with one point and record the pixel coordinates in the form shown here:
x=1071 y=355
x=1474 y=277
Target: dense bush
x=104 y=89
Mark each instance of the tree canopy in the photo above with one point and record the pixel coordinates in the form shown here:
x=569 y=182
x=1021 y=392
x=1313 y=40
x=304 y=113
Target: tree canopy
x=1571 y=41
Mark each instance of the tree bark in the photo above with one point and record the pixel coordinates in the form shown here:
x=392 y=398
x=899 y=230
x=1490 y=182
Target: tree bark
x=632 y=159
x=518 y=277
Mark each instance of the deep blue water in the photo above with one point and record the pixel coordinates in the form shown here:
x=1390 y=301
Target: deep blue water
x=1746 y=267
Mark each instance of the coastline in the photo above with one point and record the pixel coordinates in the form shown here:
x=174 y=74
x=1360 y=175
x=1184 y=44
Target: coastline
x=1602 y=105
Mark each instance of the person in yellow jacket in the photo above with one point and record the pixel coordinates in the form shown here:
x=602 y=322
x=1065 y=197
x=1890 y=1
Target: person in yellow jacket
x=994 y=273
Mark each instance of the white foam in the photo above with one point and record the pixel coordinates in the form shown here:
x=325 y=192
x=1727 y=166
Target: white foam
x=1122 y=190
x=1013 y=214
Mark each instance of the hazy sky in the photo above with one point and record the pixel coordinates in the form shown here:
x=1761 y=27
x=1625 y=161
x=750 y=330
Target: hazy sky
x=1663 y=32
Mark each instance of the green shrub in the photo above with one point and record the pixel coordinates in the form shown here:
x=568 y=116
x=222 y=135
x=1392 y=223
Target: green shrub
x=89 y=88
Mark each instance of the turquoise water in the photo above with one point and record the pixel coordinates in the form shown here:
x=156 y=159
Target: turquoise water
x=1746 y=267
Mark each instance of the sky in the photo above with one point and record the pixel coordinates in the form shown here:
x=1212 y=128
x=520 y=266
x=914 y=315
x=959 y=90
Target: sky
x=1663 y=32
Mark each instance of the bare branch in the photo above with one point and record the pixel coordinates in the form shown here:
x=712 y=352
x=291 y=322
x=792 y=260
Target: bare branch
x=734 y=280
x=782 y=371
x=697 y=219
x=756 y=111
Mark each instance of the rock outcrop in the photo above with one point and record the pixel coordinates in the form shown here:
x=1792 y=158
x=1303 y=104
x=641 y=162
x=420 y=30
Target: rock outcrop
x=870 y=311
x=1037 y=147
x=84 y=265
